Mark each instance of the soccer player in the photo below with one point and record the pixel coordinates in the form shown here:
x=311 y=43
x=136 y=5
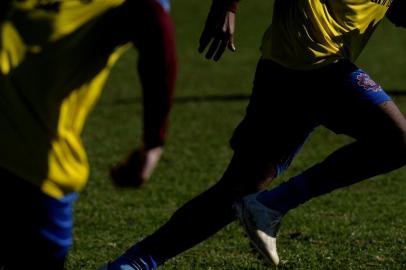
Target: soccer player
x=54 y=59
x=305 y=78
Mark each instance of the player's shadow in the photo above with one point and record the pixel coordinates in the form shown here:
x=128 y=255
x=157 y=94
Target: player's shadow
x=186 y=99
x=239 y=97
x=210 y=98
x=221 y=98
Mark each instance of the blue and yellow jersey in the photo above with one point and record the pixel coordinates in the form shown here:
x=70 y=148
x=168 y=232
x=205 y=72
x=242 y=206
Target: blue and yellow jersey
x=54 y=60
x=306 y=34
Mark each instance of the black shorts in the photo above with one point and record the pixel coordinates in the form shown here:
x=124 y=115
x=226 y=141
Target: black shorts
x=286 y=105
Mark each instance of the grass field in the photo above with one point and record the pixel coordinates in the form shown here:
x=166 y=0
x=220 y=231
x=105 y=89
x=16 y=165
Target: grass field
x=359 y=227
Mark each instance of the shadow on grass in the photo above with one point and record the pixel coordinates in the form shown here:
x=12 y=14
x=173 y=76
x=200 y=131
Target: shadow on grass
x=214 y=98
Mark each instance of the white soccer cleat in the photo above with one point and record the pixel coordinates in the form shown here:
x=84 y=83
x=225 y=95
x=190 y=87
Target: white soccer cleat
x=261 y=225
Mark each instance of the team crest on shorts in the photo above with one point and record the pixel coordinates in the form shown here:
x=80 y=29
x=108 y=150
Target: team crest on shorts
x=367 y=83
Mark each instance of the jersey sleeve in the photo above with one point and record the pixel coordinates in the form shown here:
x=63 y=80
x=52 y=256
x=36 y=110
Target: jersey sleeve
x=157 y=66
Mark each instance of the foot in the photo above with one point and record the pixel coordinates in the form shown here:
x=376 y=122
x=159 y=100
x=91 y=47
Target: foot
x=120 y=264
x=126 y=262
x=261 y=225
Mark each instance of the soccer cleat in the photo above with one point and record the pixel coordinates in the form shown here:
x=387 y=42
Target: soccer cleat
x=133 y=259
x=115 y=266
x=122 y=265
x=261 y=225
x=109 y=266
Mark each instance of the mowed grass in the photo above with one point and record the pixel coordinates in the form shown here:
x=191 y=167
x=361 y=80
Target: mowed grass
x=358 y=227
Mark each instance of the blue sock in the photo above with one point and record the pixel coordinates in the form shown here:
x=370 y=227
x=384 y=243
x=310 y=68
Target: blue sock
x=287 y=195
x=134 y=259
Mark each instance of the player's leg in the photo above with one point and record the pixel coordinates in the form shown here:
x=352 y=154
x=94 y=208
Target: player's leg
x=201 y=217
x=261 y=152
x=360 y=109
x=357 y=107
x=36 y=230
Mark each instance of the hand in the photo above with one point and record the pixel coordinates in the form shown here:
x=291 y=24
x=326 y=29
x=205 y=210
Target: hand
x=219 y=27
x=135 y=170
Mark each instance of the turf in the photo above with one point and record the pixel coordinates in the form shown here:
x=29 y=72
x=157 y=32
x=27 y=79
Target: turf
x=359 y=227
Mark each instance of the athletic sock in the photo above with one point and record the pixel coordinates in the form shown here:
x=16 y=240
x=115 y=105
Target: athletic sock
x=287 y=195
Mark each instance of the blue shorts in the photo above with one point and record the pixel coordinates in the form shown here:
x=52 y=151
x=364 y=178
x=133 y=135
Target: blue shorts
x=367 y=89
x=286 y=105
x=35 y=228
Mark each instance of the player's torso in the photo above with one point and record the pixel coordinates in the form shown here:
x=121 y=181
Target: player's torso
x=321 y=31
x=53 y=63
x=349 y=14
x=60 y=16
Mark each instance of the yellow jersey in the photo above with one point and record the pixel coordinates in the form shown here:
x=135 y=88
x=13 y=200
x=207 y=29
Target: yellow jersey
x=306 y=34
x=54 y=61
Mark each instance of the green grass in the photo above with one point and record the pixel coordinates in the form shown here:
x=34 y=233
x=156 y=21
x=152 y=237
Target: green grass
x=359 y=227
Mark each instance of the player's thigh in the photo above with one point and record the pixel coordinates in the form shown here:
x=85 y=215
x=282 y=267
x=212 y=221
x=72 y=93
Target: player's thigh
x=360 y=108
x=276 y=123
